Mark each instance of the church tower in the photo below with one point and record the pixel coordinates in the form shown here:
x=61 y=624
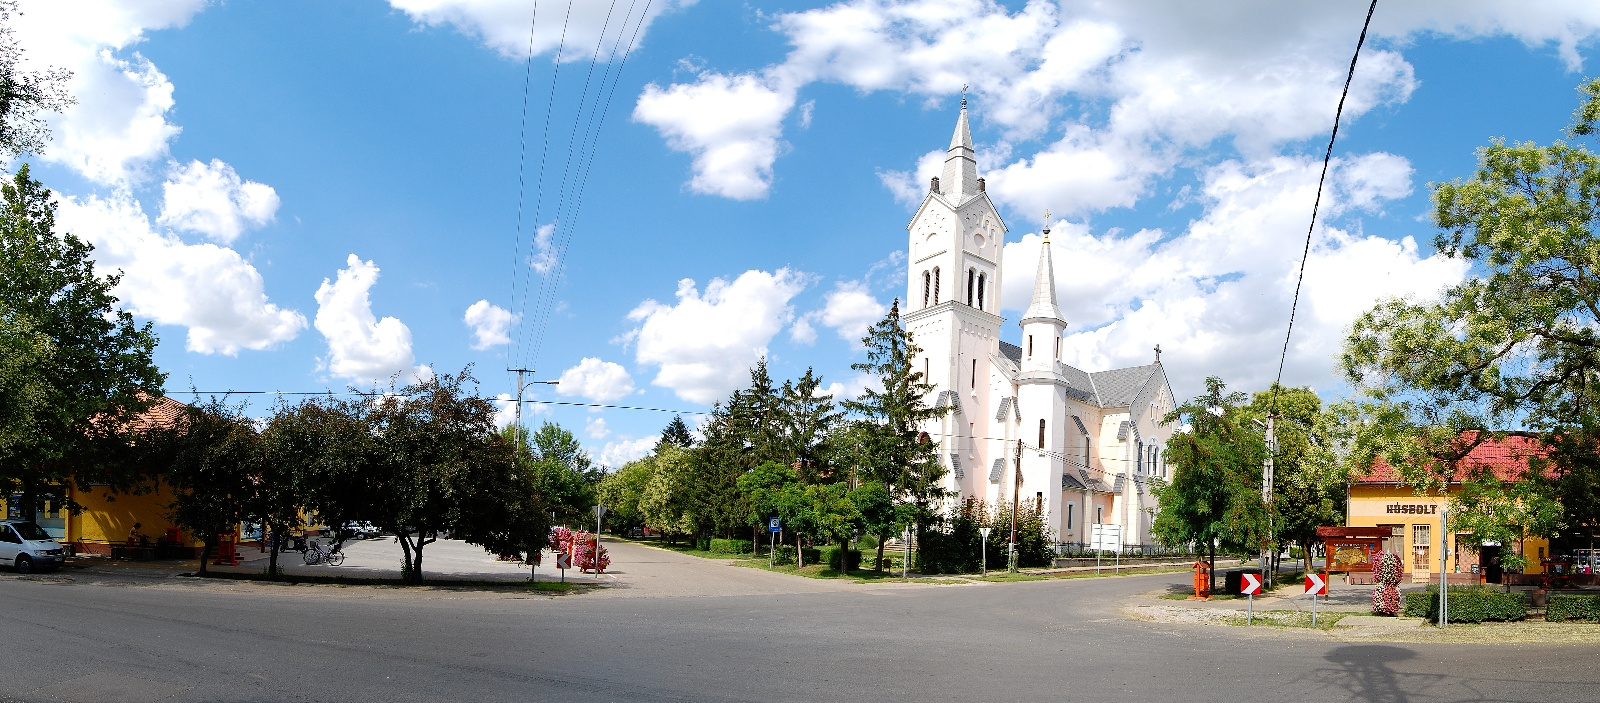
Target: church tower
x=952 y=307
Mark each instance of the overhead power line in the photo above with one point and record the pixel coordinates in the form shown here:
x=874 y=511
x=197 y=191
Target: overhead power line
x=1305 y=254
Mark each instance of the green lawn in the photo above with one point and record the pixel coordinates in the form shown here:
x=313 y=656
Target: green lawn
x=1293 y=618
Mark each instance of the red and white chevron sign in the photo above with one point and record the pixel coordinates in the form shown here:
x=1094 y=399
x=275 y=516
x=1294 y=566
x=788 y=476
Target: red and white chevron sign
x=1250 y=585
x=563 y=560
x=1316 y=584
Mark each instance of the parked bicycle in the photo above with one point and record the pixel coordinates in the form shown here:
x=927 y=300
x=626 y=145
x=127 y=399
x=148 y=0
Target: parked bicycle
x=317 y=554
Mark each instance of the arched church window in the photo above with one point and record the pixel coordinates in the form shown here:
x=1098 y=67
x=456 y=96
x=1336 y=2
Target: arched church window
x=1058 y=347
x=926 y=287
x=980 y=291
x=972 y=282
x=1041 y=433
x=974 y=373
x=1030 y=345
x=936 y=285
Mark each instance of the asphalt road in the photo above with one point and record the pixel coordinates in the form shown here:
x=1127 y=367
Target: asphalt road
x=753 y=640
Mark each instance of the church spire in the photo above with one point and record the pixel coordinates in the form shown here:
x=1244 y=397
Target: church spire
x=959 y=180
x=1044 y=305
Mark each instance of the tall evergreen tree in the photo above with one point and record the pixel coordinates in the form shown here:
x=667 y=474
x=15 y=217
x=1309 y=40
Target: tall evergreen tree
x=897 y=453
x=807 y=419
x=676 y=434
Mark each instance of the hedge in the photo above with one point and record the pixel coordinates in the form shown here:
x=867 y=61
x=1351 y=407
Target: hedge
x=831 y=555
x=1571 y=606
x=784 y=554
x=812 y=555
x=729 y=546
x=703 y=544
x=1469 y=604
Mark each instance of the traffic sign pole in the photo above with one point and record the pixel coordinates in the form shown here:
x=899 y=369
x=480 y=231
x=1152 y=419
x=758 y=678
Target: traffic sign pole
x=1250 y=585
x=774 y=525
x=985 y=532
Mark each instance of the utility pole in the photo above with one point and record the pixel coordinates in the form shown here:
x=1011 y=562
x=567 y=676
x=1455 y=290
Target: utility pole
x=1016 y=489
x=1268 y=572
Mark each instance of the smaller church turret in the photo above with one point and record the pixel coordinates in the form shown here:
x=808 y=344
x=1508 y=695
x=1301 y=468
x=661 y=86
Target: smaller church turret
x=1042 y=325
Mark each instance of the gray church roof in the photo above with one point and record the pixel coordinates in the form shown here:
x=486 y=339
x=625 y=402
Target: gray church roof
x=1107 y=389
x=1117 y=387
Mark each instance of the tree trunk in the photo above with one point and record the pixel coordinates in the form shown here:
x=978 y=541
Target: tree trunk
x=1211 y=560
x=30 y=500
x=799 y=556
x=405 y=549
x=878 y=565
x=205 y=553
x=272 y=553
x=416 y=562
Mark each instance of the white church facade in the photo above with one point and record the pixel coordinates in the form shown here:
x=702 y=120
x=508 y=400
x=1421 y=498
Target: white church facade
x=1089 y=441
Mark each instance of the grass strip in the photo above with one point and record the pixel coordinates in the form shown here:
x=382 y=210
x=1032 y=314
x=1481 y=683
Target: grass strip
x=462 y=584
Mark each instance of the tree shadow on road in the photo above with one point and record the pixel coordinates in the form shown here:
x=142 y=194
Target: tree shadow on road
x=1364 y=671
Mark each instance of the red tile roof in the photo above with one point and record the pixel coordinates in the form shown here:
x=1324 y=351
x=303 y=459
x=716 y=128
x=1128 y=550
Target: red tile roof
x=1507 y=458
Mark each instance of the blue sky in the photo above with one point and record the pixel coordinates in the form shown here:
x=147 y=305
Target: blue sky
x=750 y=184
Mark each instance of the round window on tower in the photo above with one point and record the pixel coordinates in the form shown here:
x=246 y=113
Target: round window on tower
x=977 y=241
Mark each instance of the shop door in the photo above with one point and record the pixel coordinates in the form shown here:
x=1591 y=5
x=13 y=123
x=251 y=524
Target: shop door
x=1490 y=557
x=1395 y=544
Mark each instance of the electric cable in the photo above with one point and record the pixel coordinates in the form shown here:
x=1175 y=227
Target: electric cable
x=1305 y=254
x=522 y=160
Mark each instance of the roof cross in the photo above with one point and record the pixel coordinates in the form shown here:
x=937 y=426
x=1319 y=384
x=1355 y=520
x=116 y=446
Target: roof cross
x=1158 y=353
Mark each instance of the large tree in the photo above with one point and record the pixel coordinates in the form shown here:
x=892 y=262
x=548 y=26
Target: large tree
x=101 y=372
x=1214 y=498
x=896 y=452
x=807 y=418
x=561 y=469
x=1310 y=474
x=25 y=96
x=1514 y=348
x=212 y=460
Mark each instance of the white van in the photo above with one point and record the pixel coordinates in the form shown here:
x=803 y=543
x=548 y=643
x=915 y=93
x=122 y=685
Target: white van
x=28 y=547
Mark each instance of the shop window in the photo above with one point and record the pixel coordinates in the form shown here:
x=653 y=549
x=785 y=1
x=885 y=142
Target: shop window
x=1421 y=542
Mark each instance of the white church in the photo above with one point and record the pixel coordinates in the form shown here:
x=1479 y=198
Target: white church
x=1090 y=441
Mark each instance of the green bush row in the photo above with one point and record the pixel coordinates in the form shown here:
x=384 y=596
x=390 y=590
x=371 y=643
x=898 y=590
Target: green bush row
x=729 y=546
x=831 y=556
x=1563 y=607
x=1469 y=604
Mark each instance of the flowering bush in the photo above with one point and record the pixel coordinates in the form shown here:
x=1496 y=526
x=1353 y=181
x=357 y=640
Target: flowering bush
x=581 y=546
x=1386 y=571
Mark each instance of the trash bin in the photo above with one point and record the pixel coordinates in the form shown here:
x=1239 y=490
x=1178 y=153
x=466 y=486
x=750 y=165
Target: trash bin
x=1202 y=580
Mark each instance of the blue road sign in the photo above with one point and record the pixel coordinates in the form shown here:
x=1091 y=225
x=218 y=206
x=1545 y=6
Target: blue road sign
x=773 y=526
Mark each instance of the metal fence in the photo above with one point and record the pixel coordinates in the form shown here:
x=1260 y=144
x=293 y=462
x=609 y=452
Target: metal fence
x=1069 y=550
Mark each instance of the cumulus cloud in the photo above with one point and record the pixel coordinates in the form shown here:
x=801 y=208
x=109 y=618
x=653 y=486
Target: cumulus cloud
x=212 y=200
x=596 y=380
x=211 y=290
x=490 y=324
x=1131 y=88
x=361 y=347
x=849 y=309
x=119 y=125
x=731 y=124
x=1216 y=296
x=595 y=427
x=623 y=450
x=704 y=345
x=503 y=24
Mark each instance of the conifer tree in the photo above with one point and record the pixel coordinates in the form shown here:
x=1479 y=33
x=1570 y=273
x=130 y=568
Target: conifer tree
x=897 y=452
x=808 y=418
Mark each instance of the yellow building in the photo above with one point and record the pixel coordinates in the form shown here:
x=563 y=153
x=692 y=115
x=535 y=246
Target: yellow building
x=108 y=517
x=1379 y=499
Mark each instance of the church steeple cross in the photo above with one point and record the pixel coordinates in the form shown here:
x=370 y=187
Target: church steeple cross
x=1046 y=228
x=1158 y=353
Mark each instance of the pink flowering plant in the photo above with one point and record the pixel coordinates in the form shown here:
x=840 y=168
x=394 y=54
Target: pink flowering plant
x=581 y=546
x=1386 y=571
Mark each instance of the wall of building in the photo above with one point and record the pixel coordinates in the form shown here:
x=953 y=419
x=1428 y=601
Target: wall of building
x=1377 y=505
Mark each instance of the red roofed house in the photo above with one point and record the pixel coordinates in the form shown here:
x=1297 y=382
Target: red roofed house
x=1380 y=499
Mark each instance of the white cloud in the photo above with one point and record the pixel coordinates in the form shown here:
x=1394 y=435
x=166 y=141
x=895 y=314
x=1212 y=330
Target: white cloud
x=731 y=124
x=849 y=309
x=1216 y=296
x=595 y=427
x=596 y=380
x=1132 y=88
x=853 y=387
x=623 y=450
x=361 y=348
x=705 y=345
x=544 y=256
x=212 y=200
x=211 y=290
x=490 y=324
x=119 y=125
x=503 y=25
